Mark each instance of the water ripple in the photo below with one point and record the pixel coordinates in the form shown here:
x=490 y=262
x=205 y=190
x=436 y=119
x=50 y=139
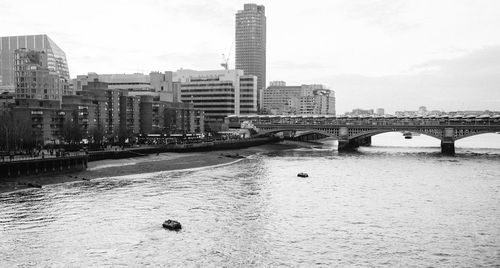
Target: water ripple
x=369 y=208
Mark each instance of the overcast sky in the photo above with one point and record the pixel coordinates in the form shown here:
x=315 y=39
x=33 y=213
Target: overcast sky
x=395 y=54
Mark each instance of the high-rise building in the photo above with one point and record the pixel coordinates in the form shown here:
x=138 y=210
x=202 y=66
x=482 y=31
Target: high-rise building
x=219 y=93
x=251 y=43
x=56 y=58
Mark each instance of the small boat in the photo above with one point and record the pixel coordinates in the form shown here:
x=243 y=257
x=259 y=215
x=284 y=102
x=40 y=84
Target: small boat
x=172 y=225
x=407 y=135
x=302 y=175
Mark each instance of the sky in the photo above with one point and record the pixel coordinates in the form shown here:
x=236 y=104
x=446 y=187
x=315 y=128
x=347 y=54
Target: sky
x=392 y=54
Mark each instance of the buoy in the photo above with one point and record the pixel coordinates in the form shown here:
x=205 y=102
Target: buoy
x=172 y=225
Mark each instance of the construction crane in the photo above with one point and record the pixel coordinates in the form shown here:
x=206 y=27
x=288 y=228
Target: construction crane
x=225 y=60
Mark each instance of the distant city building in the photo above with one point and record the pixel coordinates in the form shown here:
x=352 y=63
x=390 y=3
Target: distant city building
x=251 y=43
x=380 y=111
x=155 y=84
x=218 y=93
x=281 y=99
x=56 y=58
x=277 y=84
x=361 y=112
x=422 y=111
x=306 y=99
x=33 y=78
x=316 y=99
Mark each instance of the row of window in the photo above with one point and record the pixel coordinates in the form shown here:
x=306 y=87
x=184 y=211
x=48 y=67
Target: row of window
x=183 y=91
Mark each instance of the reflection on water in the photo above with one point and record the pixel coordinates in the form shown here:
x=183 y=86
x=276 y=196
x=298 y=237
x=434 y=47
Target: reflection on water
x=381 y=206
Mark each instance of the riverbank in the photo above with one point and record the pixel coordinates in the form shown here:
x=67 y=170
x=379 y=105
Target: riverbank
x=145 y=164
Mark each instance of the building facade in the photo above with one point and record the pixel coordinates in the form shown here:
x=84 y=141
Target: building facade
x=380 y=111
x=38 y=95
x=155 y=84
x=33 y=78
x=281 y=99
x=251 y=42
x=218 y=93
x=44 y=117
x=56 y=58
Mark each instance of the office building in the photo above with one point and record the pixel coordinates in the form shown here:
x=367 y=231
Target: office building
x=56 y=58
x=280 y=99
x=251 y=43
x=218 y=93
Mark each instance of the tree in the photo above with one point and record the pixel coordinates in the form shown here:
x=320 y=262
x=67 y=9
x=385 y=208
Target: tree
x=71 y=132
x=124 y=134
x=16 y=133
x=97 y=134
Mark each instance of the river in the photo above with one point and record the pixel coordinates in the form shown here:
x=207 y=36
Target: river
x=397 y=203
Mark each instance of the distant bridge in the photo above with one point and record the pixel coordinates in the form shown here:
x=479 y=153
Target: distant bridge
x=352 y=132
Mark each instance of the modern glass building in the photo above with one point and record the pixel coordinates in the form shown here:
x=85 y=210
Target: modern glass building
x=251 y=42
x=56 y=58
x=33 y=78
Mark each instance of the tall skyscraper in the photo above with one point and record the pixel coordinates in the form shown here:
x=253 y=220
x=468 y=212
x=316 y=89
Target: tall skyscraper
x=251 y=43
x=56 y=58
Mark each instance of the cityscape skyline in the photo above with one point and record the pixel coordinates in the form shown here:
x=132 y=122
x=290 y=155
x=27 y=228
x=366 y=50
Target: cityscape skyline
x=441 y=54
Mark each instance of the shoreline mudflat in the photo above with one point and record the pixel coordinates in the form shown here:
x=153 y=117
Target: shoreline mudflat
x=138 y=165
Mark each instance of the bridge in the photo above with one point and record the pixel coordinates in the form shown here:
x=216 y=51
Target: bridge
x=352 y=132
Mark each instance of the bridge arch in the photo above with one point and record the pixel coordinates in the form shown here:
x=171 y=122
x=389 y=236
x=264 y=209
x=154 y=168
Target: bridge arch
x=471 y=134
x=372 y=133
x=306 y=131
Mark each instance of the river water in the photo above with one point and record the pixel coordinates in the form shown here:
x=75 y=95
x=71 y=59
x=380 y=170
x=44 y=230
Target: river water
x=382 y=206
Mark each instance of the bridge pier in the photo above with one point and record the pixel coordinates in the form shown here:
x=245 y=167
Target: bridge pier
x=448 y=142
x=448 y=147
x=348 y=145
x=367 y=141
